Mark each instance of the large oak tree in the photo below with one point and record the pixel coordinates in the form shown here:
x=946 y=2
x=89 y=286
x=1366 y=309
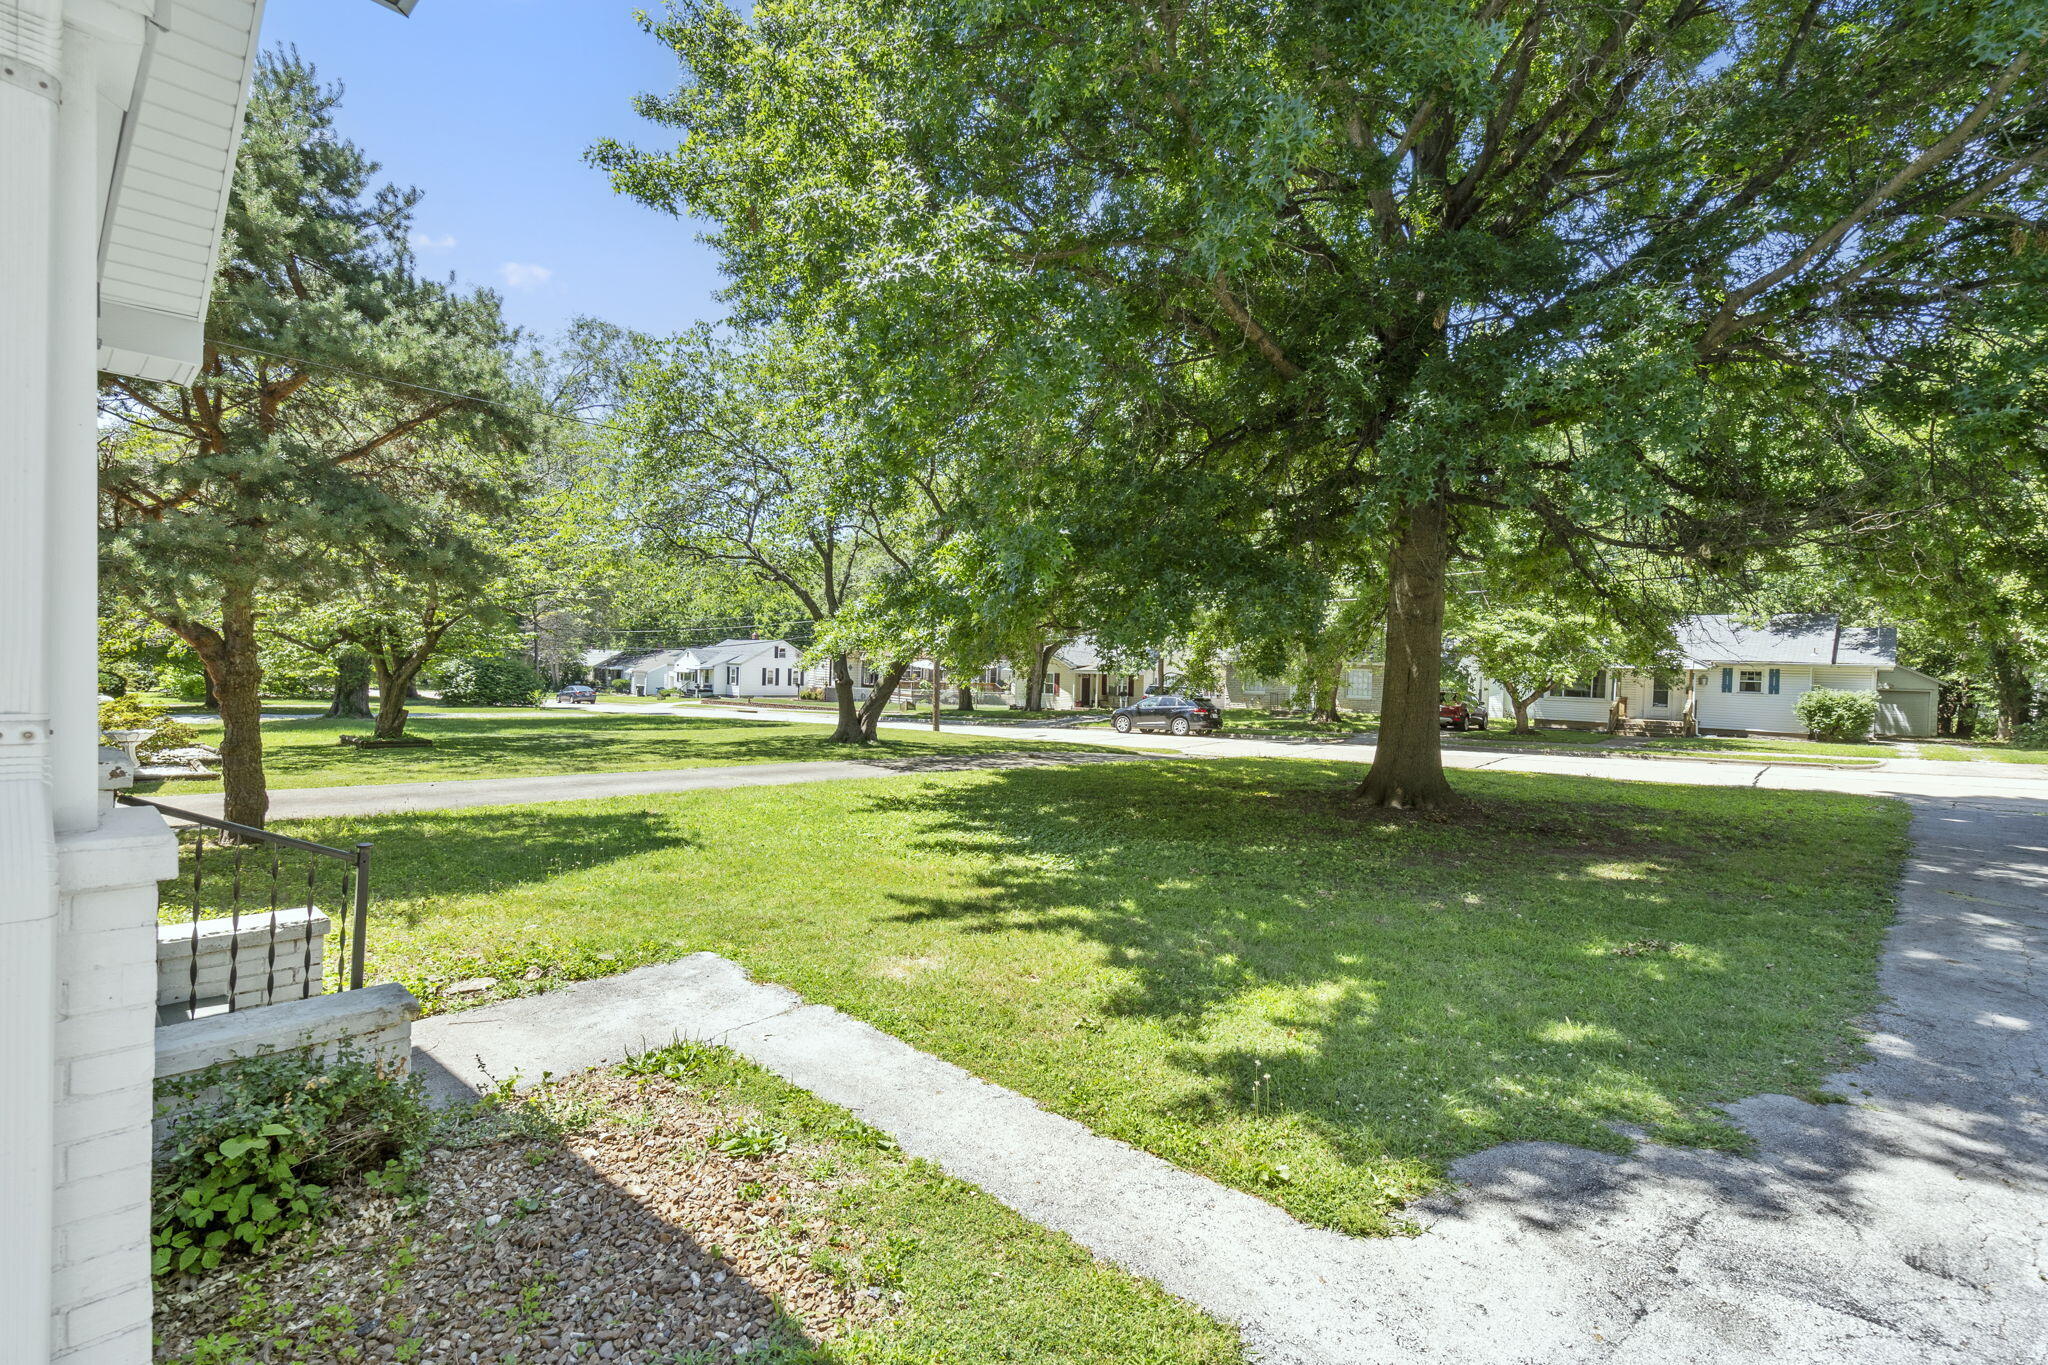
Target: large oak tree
x=1321 y=272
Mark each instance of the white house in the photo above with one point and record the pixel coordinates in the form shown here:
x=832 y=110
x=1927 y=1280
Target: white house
x=119 y=124
x=1360 y=685
x=1078 y=677
x=732 y=668
x=1732 y=678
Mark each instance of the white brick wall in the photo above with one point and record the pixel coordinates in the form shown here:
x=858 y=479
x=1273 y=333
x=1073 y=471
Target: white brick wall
x=265 y=967
x=106 y=1017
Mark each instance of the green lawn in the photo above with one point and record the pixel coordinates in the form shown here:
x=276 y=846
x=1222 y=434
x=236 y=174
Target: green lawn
x=1222 y=961
x=1747 y=744
x=1259 y=724
x=1977 y=750
x=305 y=753
x=1500 y=730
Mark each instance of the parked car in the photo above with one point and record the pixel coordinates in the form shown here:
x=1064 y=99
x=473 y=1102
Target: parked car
x=576 y=692
x=1183 y=715
x=1458 y=713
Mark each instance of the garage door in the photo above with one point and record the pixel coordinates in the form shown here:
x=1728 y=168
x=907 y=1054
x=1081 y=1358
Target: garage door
x=1903 y=712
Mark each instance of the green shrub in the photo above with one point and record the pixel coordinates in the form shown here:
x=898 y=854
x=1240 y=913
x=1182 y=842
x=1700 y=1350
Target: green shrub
x=489 y=682
x=132 y=712
x=1828 y=714
x=254 y=1146
x=186 y=684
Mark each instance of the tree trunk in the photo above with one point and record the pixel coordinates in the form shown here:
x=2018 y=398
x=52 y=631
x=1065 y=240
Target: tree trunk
x=1522 y=705
x=966 y=698
x=871 y=710
x=393 y=687
x=2010 y=681
x=351 y=699
x=1322 y=695
x=1034 y=685
x=236 y=671
x=1408 y=764
x=848 y=730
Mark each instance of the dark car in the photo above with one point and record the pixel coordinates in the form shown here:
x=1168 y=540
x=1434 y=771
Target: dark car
x=575 y=692
x=1183 y=715
x=1457 y=713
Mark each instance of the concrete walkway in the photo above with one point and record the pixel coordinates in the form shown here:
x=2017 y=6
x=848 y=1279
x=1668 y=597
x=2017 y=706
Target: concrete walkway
x=1905 y=1225
x=401 y=798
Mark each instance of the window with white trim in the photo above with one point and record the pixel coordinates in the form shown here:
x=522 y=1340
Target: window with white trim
x=1586 y=685
x=1358 y=684
x=769 y=676
x=781 y=653
x=1749 y=680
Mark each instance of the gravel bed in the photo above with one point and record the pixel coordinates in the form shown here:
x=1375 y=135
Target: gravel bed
x=625 y=1235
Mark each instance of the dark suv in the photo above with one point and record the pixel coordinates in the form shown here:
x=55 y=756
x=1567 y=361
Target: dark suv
x=1183 y=715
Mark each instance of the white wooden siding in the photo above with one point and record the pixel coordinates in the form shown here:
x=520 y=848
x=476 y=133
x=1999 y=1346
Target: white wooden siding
x=1765 y=711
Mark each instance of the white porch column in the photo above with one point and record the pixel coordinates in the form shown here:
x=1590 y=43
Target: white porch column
x=72 y=594
x=29 y=62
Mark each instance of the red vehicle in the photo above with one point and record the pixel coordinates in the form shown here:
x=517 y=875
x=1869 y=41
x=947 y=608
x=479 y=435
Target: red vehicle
x=1456 y=713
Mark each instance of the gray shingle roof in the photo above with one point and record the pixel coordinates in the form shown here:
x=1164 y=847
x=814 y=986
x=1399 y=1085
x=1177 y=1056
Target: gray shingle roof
x=730 y=651
x=1794 y=639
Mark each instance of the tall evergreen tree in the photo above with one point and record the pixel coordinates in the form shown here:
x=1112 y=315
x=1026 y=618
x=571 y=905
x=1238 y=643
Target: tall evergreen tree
x=339 y=394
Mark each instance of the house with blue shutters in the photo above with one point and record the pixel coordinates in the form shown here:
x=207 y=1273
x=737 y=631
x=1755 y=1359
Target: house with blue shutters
x=1732 y=676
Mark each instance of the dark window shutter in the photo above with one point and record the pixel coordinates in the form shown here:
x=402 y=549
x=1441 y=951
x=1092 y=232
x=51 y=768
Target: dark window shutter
x=1774 y=682
x=1727 y=680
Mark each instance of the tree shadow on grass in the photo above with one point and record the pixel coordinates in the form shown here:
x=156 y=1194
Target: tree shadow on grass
x=420 y=858
x=1563 y=956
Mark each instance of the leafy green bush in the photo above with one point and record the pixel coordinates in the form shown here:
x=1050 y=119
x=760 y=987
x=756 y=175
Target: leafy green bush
x=186 y=684
x=132 y=712
x=1828 y=714
x=489 y=682
x=255 y=1145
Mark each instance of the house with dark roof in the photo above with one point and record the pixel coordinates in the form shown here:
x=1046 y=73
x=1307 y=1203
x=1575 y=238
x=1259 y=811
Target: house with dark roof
x=1729 y=675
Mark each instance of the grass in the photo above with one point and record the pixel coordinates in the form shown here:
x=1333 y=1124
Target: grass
x=1978 y=750
x=305 y=753
x=1756 y=744
x=980 y=1282
x=1502 y=730
x=1259 y=723
x=1223 y=961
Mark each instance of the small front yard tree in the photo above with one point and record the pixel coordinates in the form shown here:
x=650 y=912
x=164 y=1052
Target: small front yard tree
x=338 y=393
x=1532 y=651
x=747 y=460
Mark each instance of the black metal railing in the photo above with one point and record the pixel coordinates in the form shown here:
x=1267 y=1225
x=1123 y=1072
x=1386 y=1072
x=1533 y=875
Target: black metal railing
x=227 y=871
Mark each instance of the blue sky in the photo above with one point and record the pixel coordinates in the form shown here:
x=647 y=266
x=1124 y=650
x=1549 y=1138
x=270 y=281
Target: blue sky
x=487 y=107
